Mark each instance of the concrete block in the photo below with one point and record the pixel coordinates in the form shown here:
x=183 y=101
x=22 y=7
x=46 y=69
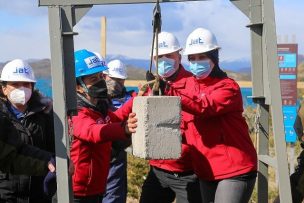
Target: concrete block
x=158 y=133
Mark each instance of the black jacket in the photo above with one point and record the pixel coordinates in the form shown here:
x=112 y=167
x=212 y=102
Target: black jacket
x=36 y=128
x=17 y=157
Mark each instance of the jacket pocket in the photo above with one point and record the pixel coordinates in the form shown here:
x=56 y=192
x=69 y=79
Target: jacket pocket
x=90 y=172
x=225 y=147
x=81 y=174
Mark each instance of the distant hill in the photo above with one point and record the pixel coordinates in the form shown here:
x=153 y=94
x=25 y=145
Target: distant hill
x=300 y=58
x=301 y=72
x=238 y=70
x=301 y=68
x=136 y=68
x=239 y=66
x=42 y=69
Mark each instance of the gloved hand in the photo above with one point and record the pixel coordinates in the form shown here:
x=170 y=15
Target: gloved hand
x=149 y=76
x=49 y=184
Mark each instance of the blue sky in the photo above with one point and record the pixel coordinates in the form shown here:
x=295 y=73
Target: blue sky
x=24 y=27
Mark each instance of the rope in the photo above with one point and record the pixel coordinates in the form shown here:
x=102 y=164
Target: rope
x=70 y=135
x=257 y=123
x=156 y=29
x=152 y=50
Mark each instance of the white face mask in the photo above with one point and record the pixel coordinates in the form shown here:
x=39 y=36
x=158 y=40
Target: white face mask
x=20 y=95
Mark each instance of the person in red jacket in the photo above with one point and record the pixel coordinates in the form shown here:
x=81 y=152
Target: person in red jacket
x=223 y=155
x=172 y=179
x=94 y=128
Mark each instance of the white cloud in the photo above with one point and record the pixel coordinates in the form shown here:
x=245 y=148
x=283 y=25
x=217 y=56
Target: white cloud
x=22 y=8
x=136 y=40
x=24 y=27
x=133 y=43
x=224 y=20
x=289 y=23
x=29 y=41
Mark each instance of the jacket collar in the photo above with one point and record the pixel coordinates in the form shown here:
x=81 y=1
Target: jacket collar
x=4 y=108
x=34 y=105
x=179 y=81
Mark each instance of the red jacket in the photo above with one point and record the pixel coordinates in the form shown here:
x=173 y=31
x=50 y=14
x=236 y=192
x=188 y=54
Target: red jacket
x=218 y=134
x=182 y=164
x=91 y=148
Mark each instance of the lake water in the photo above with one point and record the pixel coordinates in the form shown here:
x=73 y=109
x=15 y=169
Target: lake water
x=44 y=85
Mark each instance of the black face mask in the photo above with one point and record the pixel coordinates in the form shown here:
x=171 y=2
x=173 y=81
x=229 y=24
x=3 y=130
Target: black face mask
x=103 y=106
x=98 y=90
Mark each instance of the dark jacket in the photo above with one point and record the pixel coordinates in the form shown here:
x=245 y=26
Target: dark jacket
x=298 y=124
x=297 y=178
x=17 y=157
x=35 y=128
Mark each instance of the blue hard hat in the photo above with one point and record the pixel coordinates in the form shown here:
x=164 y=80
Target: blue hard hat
x=87 y=63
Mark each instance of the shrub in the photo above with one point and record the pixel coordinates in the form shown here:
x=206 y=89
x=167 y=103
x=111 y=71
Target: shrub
x=137 y=173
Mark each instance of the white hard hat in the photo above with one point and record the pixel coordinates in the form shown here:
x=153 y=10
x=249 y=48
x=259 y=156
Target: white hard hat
x=19 y=71
x=106 y=72
x=200 y=41
x=117 y=69
x=167 y=43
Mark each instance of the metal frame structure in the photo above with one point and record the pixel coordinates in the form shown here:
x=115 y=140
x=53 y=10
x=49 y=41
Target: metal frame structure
x=64 y=14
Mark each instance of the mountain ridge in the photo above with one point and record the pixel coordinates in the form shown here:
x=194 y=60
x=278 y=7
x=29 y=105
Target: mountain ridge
x=136 y=68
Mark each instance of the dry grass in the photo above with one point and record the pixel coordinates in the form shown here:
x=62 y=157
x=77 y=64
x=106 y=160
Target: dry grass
x=273 y=189
x=132 y=200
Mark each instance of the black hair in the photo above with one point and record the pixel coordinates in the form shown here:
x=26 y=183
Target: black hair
x=217 y=72
x=3 y=83
x=213 y=55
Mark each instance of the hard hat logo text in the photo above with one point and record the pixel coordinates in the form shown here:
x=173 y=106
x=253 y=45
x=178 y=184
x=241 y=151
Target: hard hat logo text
x=93 y=62
x=196 y=41
x=21 y=70
x=119 y=70
x=162 y=45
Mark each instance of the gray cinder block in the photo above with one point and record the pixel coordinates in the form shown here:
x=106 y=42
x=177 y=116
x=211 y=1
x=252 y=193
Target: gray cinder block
x=158 y=133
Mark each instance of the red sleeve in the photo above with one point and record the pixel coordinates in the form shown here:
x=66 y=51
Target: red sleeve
x=224 y=98
x=86 y=128
x=134 y=94
x=123 y=112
